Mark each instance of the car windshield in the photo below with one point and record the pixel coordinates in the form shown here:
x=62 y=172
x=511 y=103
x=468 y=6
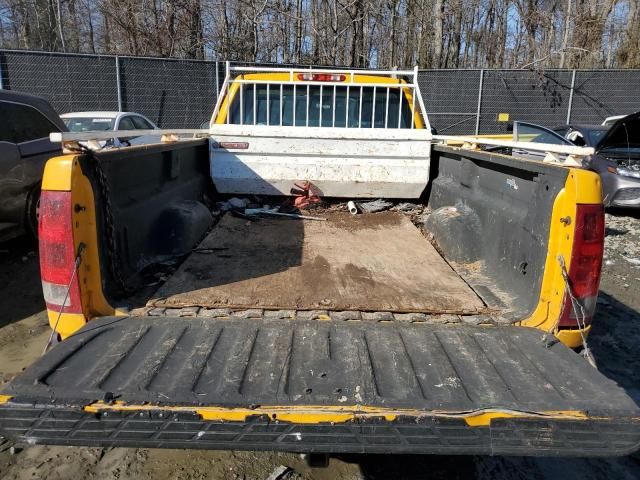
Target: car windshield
x=536 y=134
x=88 y=124
x=594 y=136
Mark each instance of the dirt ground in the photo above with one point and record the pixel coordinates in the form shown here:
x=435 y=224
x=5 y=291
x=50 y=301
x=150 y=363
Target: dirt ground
x=615 y=341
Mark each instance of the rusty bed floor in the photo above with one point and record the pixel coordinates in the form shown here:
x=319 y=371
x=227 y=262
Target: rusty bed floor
x=370 y=262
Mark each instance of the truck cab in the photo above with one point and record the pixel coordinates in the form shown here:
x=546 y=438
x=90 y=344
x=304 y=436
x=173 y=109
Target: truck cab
x=353 y=134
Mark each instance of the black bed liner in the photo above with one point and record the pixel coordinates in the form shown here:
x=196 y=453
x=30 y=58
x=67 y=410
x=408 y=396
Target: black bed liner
x=441 y=372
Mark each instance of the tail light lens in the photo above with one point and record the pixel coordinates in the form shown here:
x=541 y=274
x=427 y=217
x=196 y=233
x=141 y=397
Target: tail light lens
x=57 y=252
x=321 y=77
x=586 y=264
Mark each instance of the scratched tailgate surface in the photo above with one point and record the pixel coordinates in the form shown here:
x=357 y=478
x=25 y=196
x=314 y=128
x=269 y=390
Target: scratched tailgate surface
x=149 y=382
x=268 y=362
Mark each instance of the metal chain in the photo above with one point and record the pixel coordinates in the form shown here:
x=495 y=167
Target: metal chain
x=112 y=241
x=578 y=311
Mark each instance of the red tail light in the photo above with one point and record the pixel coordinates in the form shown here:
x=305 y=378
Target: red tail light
x=57 y=252
x=586 y=263
x=321 y=77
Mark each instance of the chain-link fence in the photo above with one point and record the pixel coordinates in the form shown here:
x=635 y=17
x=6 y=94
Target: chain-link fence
x=182 y=93
x=451 y=99
x=541 y=98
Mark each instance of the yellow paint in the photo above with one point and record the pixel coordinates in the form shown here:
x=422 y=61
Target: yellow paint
x=496 y=136
x=285 y=77
x=581 y=187
x=527 y=137
x=68 y=324
x=332 y=414
x=291 y=417
x=572 y=338
x=294 y=414
x=484 y=419
x=65 y=174
x=57 y=173
x=4 y=398
x=85 y=230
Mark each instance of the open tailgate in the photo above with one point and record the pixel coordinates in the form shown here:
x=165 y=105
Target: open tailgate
x=318 y=386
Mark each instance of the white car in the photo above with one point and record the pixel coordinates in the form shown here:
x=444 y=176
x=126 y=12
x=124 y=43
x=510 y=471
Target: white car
x=105 y=121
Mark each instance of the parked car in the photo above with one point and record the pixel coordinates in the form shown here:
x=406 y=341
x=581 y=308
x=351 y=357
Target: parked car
x=24 y=149
x=583 y=135
x=617 y=157
x=529 y=132
x=107 y=121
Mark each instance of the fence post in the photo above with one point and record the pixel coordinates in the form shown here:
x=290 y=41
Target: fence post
x=573 y=84
x=479 y=101
x=118 y=84
x=217 y=81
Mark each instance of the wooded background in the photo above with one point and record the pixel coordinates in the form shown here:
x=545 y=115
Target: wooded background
x=361 y=33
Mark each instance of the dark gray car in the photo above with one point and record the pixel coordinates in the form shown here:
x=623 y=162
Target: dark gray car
x=25 y=124
x=616 y=158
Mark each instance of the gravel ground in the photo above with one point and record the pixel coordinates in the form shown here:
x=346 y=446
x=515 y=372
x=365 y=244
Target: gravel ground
x=615 y=341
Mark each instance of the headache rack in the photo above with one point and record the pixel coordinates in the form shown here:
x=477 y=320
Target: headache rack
x=342 y=86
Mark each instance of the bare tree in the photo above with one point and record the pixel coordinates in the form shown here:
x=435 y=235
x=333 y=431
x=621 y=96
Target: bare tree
x=376 y=33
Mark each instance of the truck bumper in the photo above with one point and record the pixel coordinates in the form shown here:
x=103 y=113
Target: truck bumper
x=425 y=434
x=620 y=191
x=318 y=386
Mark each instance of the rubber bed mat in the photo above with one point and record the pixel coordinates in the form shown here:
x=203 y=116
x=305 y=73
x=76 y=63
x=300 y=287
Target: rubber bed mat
x=318 y=386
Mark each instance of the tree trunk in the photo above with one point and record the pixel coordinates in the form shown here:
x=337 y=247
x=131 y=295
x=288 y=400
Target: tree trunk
x=565 y=34
x=438 y=24
x=91 y=37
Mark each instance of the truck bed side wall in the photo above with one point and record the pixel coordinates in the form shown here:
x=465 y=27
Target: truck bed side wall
x=492 y=214
x=156 y=200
